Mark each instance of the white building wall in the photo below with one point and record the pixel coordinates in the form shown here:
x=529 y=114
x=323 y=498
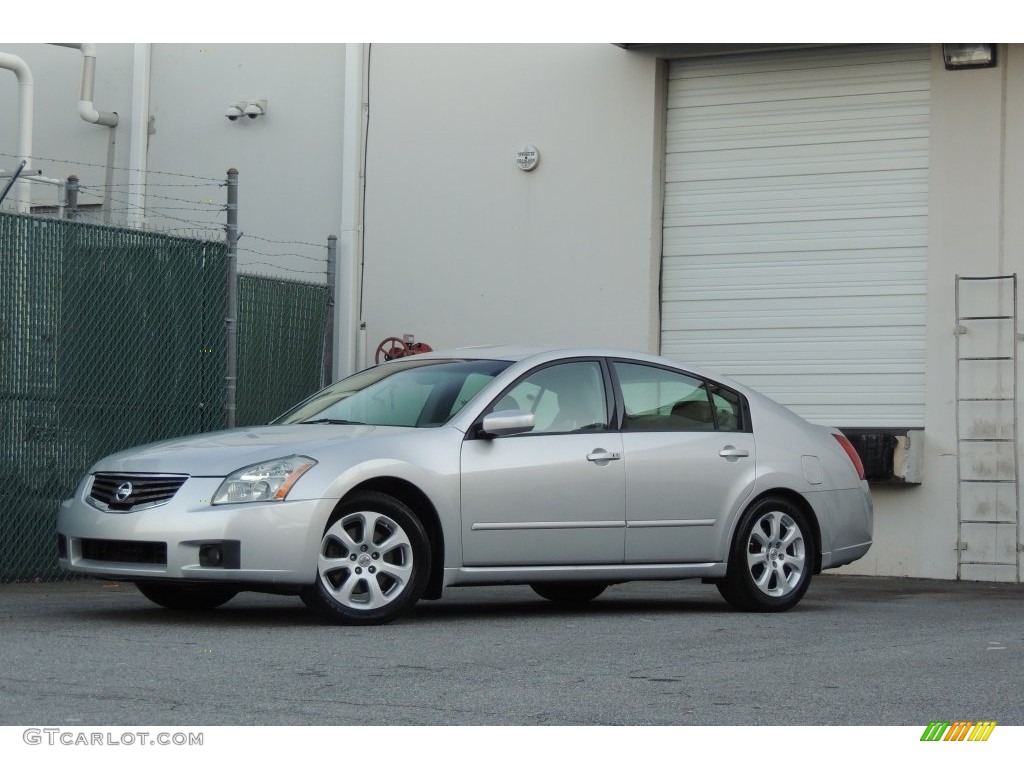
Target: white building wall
x=462 y=247
x=289 y=160
x=975 y=229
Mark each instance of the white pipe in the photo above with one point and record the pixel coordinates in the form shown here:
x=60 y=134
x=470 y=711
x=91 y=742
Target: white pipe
x=36 y=177
x=350 y=244
x=85 y=108
x=22 y=191
x=361 y=349
x=139 y=142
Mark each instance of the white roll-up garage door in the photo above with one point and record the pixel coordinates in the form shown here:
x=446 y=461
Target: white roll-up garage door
x=796 y=217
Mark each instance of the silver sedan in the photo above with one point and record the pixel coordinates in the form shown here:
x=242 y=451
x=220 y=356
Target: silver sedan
x=568 y=470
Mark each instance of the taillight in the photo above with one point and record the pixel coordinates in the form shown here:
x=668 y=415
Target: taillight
x=852 y=453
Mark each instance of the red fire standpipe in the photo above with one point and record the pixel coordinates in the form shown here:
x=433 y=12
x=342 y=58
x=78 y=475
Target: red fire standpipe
x=393 y=348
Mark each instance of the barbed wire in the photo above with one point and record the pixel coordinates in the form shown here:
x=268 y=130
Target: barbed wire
x=283 y=269
x=272 y=255
x=280 y=266
x=219 y=206
x=130 y=207
x=219 y=182
x=134 y=207
x=155 y=184
x=287 y=242
x=150 y=208
x=121 y=202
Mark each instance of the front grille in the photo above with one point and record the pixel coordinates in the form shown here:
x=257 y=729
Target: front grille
x=112 y=551
x=136 y=491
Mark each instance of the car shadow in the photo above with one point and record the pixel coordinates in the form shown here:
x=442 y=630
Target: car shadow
x=604 y=607
x=488 y=603
x=538 y=607
x=155 y=616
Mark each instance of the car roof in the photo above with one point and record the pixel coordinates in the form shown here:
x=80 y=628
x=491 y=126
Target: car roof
x=516 y=353
x=525 y=356
x=511 y=352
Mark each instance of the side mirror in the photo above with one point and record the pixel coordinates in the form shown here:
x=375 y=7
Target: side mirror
x=506 y=423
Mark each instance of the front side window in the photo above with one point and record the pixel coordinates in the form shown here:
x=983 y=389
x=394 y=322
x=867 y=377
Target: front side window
x=658 y=400
x=568 y=397
x=409 y=393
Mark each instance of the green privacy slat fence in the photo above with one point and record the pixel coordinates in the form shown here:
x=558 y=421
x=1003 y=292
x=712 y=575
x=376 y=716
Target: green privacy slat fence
x=280 y=345
x=111 y=338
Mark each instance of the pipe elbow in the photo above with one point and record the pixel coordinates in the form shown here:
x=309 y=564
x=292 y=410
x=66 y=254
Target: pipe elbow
x=86 y=110
x=90 y=114
x=17 y=65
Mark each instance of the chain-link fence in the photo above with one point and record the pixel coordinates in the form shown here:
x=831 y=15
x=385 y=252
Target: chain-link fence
x=281 y=327
x=111 y=338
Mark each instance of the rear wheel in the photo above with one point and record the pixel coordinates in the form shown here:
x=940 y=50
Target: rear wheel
x=373 y=564
x=771 y=559
x=569 y=591
x=186 y=597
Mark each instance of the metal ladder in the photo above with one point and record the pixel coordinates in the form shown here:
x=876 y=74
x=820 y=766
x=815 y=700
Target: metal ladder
x=988 y=544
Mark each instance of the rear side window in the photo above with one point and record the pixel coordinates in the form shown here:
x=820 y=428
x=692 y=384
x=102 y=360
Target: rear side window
x=728 y=409
x=661 y=400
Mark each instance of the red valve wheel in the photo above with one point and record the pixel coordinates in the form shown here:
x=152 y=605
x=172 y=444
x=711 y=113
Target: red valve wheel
x=392 y=347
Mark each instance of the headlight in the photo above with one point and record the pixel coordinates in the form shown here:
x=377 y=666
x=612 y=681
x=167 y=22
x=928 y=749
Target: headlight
x=268 y=481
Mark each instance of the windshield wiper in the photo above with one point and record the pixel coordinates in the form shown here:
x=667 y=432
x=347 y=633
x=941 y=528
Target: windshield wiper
x=331 y=421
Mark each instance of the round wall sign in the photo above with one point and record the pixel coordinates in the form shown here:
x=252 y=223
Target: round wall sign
x=527 y=158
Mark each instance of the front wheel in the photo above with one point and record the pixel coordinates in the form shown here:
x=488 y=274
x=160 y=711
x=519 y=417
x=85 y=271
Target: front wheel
x=186 y=597
x=771 y=558
x=373 y=564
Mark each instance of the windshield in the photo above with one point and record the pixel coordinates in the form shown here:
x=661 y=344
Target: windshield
x=410 y=393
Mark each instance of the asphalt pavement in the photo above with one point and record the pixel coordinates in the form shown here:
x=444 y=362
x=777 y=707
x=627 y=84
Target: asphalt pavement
x=856 y=651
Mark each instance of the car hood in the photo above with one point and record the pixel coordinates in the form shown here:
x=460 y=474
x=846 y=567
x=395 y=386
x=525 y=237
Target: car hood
x=217 y=454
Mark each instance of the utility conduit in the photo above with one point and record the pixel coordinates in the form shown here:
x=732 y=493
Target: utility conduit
x=86 y=110
x=22 y=191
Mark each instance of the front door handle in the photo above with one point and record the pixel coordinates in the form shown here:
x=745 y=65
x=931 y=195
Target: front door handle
x=600 y=454
x=732 y=452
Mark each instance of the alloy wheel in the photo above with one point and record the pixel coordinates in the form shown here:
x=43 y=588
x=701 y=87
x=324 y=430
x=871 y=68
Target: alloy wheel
x=366 y=560
x=776 y=554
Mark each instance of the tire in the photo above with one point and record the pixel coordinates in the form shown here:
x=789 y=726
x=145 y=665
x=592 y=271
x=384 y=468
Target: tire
x=373 y=564
x=771 y=558
x=569 y=591
x=186 y=597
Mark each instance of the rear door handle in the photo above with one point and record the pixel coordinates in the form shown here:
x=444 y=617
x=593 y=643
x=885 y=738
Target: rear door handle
x=600 y=454
x=732 y=452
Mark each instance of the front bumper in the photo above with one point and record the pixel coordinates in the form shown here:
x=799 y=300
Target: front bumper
x=264 y=544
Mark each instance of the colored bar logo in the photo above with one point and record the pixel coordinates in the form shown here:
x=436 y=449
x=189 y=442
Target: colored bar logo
x=958 y=730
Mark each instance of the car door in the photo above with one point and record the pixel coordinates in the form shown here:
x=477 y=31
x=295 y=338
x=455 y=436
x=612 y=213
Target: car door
x=555 y=495
x=689 y=461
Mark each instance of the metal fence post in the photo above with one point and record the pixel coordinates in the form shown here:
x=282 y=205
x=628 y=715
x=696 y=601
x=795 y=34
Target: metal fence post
x=231 y=321
x=332 y=267
x=71 y=212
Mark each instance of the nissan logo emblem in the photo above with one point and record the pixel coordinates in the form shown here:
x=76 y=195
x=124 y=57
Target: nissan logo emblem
x=124 y=490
